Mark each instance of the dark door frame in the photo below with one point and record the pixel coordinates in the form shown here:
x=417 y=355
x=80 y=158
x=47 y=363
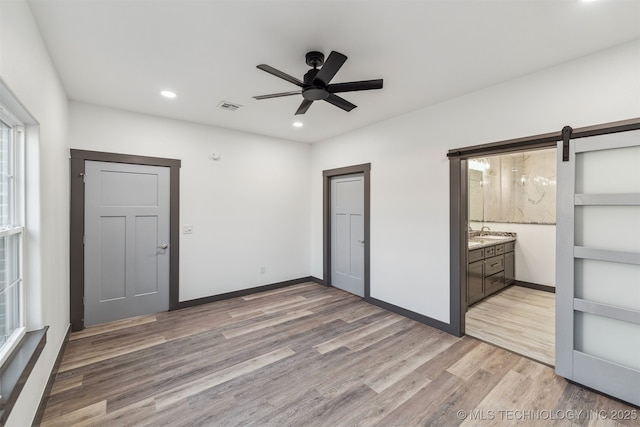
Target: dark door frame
x=76 y=236
x=364 y=169
x=458 y=201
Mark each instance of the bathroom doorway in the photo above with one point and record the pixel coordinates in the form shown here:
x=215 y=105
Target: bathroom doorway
x=511 y=209
x=590 y=330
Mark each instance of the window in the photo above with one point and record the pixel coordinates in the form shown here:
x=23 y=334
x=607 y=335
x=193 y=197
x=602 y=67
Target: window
x=12 y=316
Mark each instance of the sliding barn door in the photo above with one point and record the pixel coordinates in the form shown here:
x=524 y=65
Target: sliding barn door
x=598 y=266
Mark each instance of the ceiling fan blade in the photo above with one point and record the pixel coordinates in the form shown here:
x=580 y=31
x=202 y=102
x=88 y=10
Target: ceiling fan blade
x=278 y=95
x=355 y=86
x=331 y=67
x=306 y=103
x=278 y=73
x=340 y=102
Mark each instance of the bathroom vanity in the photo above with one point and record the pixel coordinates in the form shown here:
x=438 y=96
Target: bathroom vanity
x=491 y=264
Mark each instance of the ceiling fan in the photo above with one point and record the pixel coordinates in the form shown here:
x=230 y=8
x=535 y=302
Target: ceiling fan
x=316 y=85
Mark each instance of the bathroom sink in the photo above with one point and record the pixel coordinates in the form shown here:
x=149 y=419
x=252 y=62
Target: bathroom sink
x=487 y=240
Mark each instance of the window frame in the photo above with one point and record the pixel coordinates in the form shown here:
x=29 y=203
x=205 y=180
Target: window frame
x=17 y=228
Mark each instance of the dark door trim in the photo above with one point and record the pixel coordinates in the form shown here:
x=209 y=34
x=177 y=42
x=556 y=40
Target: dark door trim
x=76 y=236
x=458 y=256
x=364 y=169
x=458 y=201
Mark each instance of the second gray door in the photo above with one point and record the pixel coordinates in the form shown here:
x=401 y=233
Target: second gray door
x=347 y=233
x=126 y=241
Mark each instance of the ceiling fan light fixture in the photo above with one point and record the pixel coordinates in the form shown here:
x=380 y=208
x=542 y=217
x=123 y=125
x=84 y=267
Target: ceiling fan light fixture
x=168 y=94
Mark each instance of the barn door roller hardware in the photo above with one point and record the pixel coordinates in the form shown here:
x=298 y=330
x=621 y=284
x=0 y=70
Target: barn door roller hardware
x=566 y=136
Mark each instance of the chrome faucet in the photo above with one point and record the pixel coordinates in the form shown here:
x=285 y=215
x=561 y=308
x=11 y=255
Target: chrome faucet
x=482 y=230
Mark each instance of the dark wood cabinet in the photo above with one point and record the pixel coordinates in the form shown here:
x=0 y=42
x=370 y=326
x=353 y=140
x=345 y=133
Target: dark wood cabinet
x=493 y=283
x=493 y=265
x=490 y=269
x=509 y=268
x=475 y=282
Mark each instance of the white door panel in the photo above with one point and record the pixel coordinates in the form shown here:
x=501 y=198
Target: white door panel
x=112 y=254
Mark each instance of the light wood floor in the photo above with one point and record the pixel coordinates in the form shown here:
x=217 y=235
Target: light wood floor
x=518 y=319
x=305 y=355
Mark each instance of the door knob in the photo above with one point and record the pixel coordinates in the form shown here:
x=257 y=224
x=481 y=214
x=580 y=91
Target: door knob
x=164 y=246
x=361 y=241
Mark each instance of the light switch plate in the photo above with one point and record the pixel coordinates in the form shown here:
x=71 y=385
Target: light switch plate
x=187 y=229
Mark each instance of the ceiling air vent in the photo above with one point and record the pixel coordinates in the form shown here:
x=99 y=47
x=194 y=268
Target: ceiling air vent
x=230 y=106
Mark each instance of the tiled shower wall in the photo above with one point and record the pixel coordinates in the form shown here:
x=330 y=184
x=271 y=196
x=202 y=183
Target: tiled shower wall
x=515 y=188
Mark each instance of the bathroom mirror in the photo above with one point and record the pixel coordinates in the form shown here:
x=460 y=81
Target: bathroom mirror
x=513 y=188
x=476 y=196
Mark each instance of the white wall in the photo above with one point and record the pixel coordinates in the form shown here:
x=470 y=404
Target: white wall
x=252 y=208
x=409 y=167
x=535 y=250
x=26 y=68
x=249 y=209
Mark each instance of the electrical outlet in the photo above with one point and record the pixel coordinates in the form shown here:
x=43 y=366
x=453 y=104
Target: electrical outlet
x=187 y=229
x=263 y=269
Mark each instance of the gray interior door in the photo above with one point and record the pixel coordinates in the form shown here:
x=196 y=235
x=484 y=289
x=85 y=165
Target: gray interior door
x=347 y=233
x=126 y=241
x=598 y=266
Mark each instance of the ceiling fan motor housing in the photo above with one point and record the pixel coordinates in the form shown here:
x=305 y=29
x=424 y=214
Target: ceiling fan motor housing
x=313 y=90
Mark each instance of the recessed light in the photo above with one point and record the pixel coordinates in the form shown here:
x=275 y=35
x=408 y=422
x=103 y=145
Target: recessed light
x=168 y=94
x=298 y=124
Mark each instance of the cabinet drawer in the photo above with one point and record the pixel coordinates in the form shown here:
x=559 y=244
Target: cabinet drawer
x=493 y=265
x=493 y=283
x=499 y=249
x=476 y=255
x=509 y=247
x=490 y=251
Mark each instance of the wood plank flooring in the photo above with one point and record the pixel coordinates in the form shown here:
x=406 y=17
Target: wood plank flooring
x=304 y=355
x=518 y=319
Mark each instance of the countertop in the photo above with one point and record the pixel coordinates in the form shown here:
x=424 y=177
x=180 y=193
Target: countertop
x=490 y=238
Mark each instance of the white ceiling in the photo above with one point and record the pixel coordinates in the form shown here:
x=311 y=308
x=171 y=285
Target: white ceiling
x=122 y=53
